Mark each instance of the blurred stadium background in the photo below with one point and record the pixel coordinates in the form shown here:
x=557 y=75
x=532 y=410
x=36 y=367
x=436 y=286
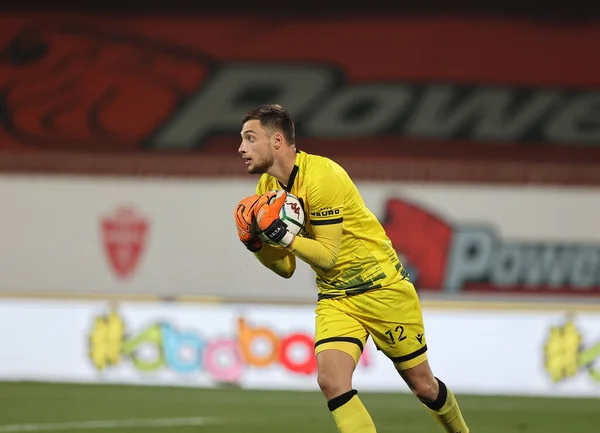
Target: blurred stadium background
x=126 y=300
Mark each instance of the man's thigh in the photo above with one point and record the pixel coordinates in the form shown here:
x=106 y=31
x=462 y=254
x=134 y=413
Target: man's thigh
x=393 y=318
x=336 y=328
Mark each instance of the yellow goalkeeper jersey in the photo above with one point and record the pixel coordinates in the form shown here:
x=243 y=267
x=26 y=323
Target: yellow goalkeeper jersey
x=366 y=258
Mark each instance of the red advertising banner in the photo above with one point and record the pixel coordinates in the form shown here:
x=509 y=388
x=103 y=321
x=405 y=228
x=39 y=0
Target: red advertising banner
x=461 y=89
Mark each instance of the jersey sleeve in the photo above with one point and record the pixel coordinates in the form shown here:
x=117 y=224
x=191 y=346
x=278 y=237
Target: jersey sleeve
x=279 y=260
x=325 y=196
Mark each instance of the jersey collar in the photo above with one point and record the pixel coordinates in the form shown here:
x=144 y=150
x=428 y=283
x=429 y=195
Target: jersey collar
x=294 y=173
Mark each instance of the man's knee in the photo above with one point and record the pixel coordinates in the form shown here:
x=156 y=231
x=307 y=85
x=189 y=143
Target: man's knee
x=421 y=382
x=333 y=384
x=334 y=375
x=426 y=389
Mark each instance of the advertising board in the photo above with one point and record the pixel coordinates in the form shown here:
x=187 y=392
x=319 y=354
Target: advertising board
x=449 y=87
x=519 y=352
x=171 y=237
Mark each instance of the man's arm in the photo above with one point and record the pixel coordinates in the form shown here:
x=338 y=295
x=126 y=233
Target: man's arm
x=321 y=252
x=277 y=259
x=325 y=197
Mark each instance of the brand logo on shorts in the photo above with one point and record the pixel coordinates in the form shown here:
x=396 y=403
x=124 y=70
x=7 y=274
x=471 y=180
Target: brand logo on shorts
x=473 y=257
x=419 y=338
x=125 y=234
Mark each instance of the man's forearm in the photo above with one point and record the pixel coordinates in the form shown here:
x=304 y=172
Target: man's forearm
x=322 y=255
x=279 y=260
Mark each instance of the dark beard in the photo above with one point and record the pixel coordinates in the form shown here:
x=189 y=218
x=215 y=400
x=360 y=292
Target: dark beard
x=261 y=168
x=256 y=170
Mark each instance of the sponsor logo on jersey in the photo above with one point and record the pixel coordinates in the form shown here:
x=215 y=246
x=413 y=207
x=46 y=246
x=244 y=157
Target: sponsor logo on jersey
x=325 y=213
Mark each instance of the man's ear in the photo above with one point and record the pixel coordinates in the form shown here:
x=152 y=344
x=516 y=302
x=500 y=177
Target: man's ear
x=278 y=140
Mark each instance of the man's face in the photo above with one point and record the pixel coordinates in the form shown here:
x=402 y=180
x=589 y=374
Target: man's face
x=256 y=147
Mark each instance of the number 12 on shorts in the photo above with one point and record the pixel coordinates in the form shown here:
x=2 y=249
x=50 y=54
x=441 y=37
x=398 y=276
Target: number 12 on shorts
x=397 y=332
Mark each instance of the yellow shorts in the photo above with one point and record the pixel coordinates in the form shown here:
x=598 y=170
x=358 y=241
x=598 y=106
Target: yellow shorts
x=391 y=316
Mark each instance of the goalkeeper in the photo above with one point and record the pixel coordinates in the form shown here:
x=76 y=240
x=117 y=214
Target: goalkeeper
x=363 y=289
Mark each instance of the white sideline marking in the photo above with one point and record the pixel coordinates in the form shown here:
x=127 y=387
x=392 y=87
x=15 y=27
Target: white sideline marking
x=116 y=423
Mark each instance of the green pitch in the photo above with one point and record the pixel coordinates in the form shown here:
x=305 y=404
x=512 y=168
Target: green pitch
x=95 y=408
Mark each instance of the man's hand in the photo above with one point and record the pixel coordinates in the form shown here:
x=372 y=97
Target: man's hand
x=244 y=215
x=267 y=218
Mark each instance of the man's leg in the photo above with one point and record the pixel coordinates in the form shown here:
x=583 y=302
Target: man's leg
x=335 y=369
x=339 y=341
x=393 y=317
x=437 y=398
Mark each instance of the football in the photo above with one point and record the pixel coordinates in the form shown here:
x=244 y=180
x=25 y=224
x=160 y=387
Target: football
x=292 y=214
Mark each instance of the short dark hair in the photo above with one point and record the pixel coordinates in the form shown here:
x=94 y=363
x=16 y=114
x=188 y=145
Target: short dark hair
x=274 y=116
